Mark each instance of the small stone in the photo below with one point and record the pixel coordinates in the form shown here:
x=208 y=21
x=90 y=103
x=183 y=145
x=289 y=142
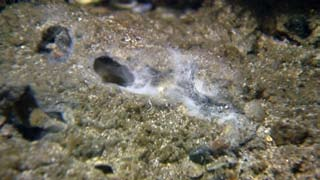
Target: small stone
x=84 y=2
x=254 y=110
x=221 y=163
x=212 y=167
x=123 y=4
x=105 y=168
x=201 y=155
x=38 y=118
x=268 y=138
x=194 y=171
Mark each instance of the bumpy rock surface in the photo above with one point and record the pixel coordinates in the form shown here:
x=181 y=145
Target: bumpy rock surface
x=205 y=94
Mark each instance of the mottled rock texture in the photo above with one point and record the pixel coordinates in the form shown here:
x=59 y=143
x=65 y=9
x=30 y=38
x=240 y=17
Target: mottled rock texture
x=267 y=71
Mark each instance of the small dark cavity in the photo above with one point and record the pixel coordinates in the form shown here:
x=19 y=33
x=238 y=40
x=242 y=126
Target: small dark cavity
x=56 y=42
x=299 y=26
x=113 y=72
x=106 y=169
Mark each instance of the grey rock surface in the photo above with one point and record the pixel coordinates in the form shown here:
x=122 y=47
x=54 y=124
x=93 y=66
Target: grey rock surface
x=206 y=78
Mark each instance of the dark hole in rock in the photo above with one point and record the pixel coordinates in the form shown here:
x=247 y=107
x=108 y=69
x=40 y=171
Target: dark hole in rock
x=56 y=42
x=107 y=169
x=113 y=72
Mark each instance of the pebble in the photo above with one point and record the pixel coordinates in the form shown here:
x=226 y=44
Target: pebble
x=194 y=171
x=224 y=162
x=254 y=110
x=211 y=167
x=201 y=155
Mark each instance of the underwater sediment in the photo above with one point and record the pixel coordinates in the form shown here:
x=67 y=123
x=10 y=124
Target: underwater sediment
x=175 y=91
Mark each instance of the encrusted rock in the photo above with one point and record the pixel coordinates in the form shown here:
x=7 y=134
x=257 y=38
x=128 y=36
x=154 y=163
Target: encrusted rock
x=201 y=155
x=254 y=110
